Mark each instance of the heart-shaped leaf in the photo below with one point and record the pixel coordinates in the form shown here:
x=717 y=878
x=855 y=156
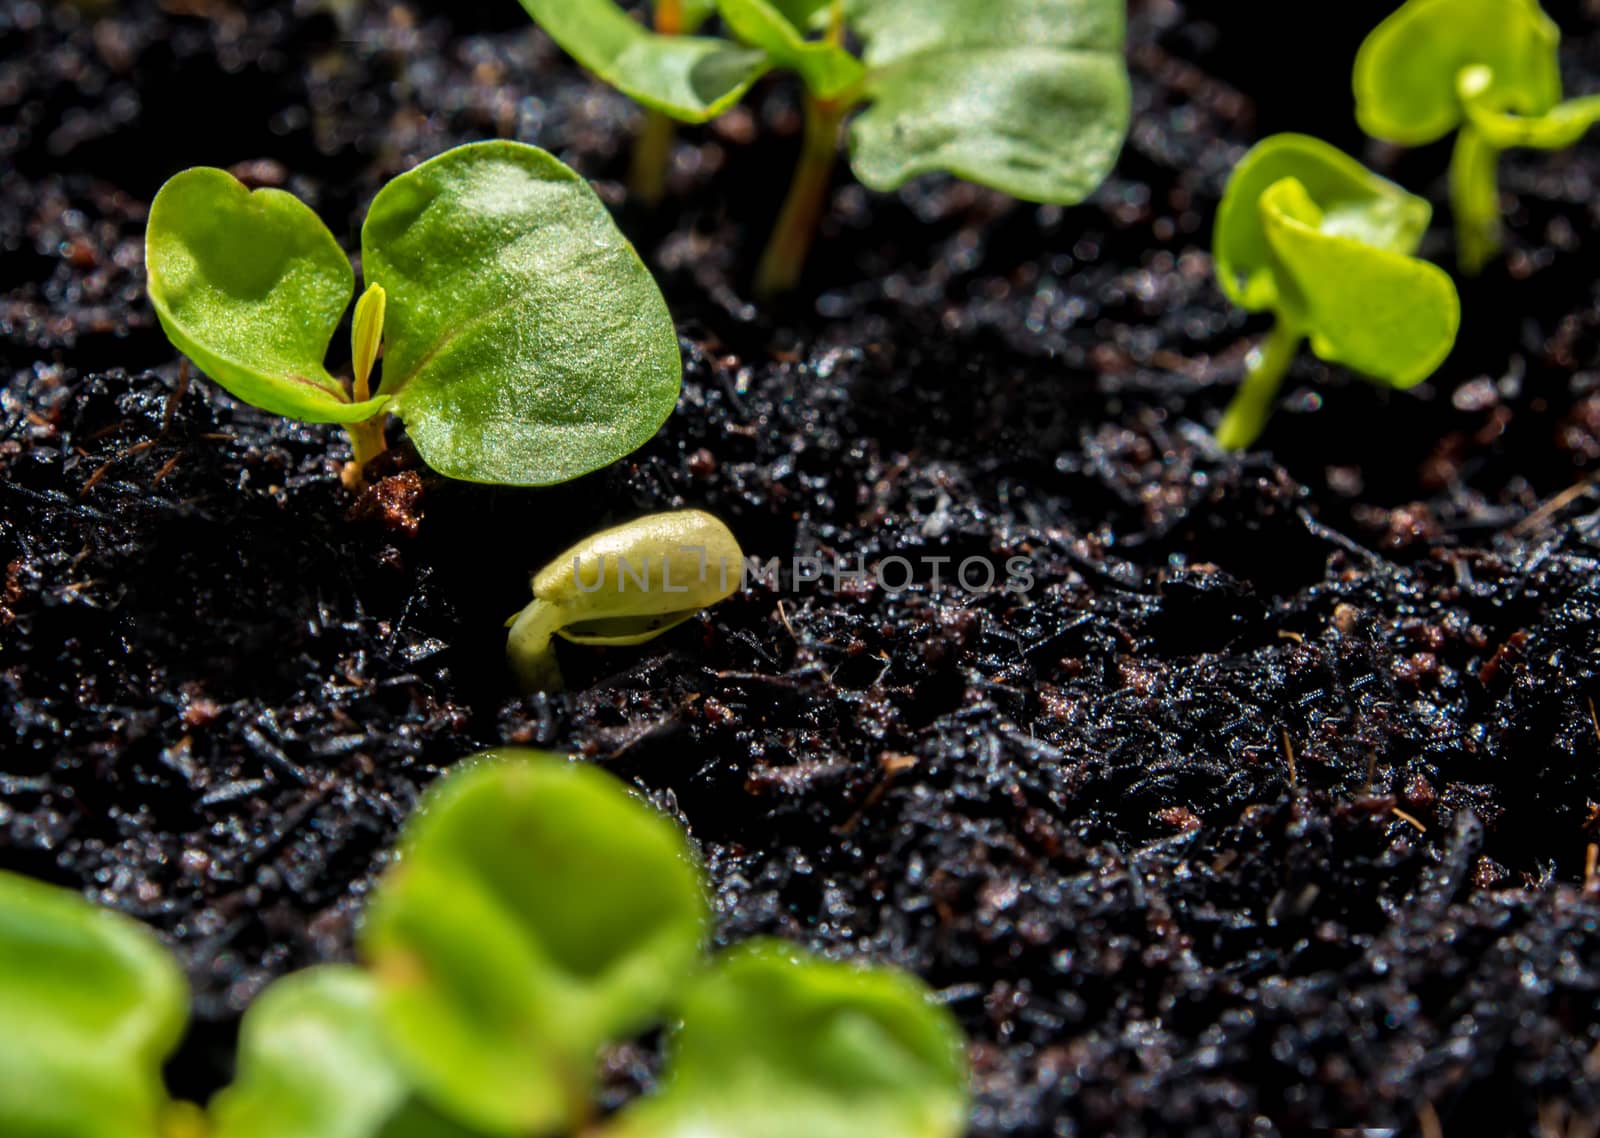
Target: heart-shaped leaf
x=774 y=1043
x=1407 y=69
x=251 y=285
x=92 y=1005
x=1027 y=96
x=538 y=912
x=525 y=342
x=1353 y=202
x=1387 y=315
x=691 y=78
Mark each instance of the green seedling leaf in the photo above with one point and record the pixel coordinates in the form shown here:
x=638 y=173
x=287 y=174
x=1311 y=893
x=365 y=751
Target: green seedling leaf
x=1486 y=67
x=623 y=586
x=691 y=13
x=1381 y=313
x=537 y=913
x=1560 y=127
x=1354 y=203
x=251 y=285
x=1407 y=69
x=92 y=1006
x=775 y=1043
x=1030 y=97
x=827 y=68
x=807 y=15
x=690 y=78
x=313 y=1064
x=1307 y=233
x=525 y=342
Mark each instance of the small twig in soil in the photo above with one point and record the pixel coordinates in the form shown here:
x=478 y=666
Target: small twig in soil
x=108 y=429
x=1409 y=820
x=1591 y=869
x=1555 y=505
x=1329 y=534
x=176 y=396
x=892 y=763
x=1593 y=718
x=783 y=616
x=105 y=467
x=1288 y=750
x=166 y=469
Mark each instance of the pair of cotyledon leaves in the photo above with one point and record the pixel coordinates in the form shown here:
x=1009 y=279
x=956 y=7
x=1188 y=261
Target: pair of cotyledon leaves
x=537 y=913
x=1436 y=65
x=524 y=341
x=1309 y=234
x=1027 y=96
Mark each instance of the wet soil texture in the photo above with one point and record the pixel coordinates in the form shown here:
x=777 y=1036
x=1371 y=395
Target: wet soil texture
x=1270 y=804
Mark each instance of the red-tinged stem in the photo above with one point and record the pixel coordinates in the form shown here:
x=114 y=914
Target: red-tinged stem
x=652 y=149
x=785 y=256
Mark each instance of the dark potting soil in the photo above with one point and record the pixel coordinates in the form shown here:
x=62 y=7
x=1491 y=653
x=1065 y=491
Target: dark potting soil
x=1267 y=808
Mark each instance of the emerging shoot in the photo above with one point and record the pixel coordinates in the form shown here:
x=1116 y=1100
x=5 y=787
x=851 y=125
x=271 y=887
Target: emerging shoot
x=623 y=586
x=1310 y=235
x=1487 y=69
x=523 y=341
x=1029 y=97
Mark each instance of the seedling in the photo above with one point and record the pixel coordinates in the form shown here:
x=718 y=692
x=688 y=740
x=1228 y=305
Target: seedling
x=1310 y=235
x=537 y=914
x=523 y=341
x=1486 y=69
x=1030 y=97
x=623 y=586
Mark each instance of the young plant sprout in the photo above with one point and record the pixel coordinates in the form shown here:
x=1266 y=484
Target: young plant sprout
x=1029 y=97
x=523 y=341
x=540 y=913
x=623 y=586
x=1310 y=235
x=1486 y=69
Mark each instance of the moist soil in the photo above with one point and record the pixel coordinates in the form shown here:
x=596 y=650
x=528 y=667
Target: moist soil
x=1266 y=808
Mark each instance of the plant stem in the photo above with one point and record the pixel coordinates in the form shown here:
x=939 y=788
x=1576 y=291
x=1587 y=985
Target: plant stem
x=1245 y=418
x=1475 y=199
x=529 y=650
x=785 y=256
x=652 y=154
x=652 y=149
x=366 y=437
x=366 y=441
